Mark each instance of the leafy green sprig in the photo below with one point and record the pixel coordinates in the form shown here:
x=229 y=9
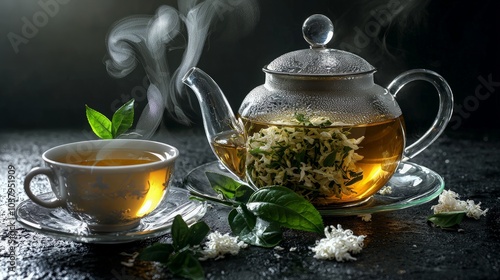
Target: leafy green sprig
x=181 y=256
x=105 y=128
x=258 y=216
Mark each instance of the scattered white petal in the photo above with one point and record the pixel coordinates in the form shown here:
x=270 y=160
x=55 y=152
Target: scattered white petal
x=279 y=248
x=338 y=244
x=293 y=249
x=129 y=262
x=366 y=217
x=474 y=210
x=277 y=256
x=133 y=255
x=386 y=190
x=218 y=245
x=449 y=201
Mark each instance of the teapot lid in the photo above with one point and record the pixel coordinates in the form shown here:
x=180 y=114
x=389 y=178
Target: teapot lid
x=318 y=60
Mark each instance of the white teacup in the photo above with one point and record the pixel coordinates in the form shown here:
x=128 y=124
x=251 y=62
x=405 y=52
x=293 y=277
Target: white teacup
x=108 y=184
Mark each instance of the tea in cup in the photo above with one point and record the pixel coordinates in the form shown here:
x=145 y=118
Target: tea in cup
x=108 y=184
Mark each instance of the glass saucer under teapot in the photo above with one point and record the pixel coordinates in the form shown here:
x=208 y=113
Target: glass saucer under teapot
x=318 y=125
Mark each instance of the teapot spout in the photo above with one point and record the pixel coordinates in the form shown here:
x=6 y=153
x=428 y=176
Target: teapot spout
x=217 y=114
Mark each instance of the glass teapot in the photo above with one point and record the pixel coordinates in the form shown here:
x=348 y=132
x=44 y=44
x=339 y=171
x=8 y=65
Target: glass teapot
x=318 y=125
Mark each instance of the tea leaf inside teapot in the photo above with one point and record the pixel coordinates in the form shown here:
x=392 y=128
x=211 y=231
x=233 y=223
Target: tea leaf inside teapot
x=311 y=157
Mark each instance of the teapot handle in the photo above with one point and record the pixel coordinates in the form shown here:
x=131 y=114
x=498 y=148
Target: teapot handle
x=445 y=106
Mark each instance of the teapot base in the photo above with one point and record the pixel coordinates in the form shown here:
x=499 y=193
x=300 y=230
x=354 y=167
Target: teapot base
x=411 y=185
x=336 y=204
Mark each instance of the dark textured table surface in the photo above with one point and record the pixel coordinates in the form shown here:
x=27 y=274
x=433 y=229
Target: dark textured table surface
x=398 y=245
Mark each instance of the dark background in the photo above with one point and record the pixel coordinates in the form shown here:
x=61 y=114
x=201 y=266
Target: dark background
x=47 y=82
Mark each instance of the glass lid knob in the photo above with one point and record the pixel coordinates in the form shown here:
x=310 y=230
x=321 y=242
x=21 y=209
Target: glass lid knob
x=318 y=60
x=317 y=31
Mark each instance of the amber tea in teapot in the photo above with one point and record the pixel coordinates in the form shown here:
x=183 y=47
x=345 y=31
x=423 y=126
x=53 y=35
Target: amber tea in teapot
x=230 y=148
x=323 y=162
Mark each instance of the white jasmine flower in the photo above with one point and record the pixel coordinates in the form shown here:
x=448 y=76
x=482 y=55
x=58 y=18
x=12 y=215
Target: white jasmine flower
x=366 y=217
x=218 y=245
x=474 y=210
x=129 y=262
x=386 y=190
x=277 y=149
x=449 y=201
x=318 y=120
x=338 y=244
x=357 y=141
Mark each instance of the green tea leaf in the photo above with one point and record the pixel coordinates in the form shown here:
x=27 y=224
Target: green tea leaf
x=123 y=118
x=354 y=180
x=186 y=265
x=157 y=252
x=253 y=230
x=329 y=161
x=180 y=233
x=258 y=151
x=447 y=219
x=243 y=193
x=301 y=118
x=240 y=219
x=283 y=206
x=198 y=232
x=100 y=124
x=299 y=157
x=179 y=257
x=223 y=184
x=326 y=123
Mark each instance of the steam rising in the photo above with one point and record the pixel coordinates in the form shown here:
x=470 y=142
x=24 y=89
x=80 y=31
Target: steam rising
x=148 y=39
